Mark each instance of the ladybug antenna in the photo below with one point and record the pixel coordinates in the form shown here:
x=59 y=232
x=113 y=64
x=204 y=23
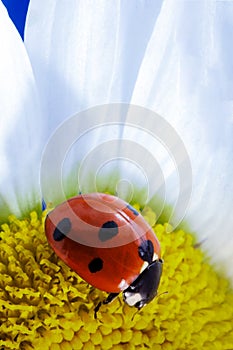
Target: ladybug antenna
x=134 y=314
x=162 y=293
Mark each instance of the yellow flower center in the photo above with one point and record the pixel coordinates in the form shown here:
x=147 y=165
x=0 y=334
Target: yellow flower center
x=45 y=305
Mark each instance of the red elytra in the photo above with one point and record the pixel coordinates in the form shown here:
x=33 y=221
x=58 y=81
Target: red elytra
x=109 y=244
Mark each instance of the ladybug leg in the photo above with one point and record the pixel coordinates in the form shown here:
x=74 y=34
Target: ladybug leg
x=108 y=300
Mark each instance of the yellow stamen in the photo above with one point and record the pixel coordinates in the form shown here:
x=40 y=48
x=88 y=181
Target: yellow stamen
x=45 y=305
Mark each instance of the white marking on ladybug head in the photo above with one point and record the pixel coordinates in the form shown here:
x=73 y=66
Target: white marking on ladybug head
x=155 y=257
x=132 y=298
x=123 y=285
x=145 y=264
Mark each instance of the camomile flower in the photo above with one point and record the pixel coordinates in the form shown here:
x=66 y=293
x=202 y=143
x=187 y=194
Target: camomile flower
x=132 y=98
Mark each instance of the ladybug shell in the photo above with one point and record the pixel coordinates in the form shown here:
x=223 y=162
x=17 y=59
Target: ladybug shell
x=98 y=236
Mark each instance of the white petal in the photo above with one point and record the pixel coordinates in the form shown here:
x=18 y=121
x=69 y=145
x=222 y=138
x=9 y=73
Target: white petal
x=86 y=53
x=19 y=131
x=187 y=77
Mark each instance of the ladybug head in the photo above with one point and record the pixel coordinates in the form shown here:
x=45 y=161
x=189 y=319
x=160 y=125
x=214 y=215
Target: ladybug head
x=145 y=287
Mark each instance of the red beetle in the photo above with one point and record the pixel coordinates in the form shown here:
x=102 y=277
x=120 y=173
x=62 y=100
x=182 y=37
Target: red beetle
x=109 y=244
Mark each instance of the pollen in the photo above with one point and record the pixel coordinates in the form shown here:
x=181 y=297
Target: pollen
x=45 y=305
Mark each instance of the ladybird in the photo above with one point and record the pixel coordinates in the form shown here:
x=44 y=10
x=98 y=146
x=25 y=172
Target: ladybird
x=109 y=244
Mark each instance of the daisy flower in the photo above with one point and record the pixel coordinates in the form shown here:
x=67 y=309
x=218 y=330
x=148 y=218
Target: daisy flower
x=127 y=97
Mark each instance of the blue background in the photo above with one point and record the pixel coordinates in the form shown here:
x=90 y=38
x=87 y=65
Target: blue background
x=17 y=10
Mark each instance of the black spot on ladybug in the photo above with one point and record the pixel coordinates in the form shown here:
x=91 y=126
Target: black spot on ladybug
x=95 y=265
x=134 y=211
x=146 y=251
x=108 y=230
x=62 y=229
